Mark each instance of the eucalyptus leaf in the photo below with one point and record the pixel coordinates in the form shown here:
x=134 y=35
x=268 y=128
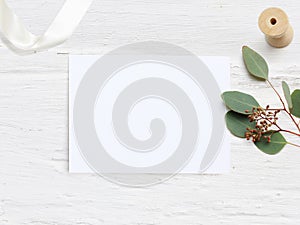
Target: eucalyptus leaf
x=296 y=103
x=255 y=63
x=239 y=102
x=238 y=123
x=275 y=146
x=287 y=94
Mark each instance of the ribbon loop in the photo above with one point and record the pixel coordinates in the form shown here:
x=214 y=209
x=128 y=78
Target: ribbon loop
x=16 y=37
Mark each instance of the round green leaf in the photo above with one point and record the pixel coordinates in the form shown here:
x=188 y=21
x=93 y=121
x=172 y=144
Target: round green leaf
x=287 y=94
x=239 y=102
x=296 y=103
x=255 y=63
x=238 y=123
x=277 y=143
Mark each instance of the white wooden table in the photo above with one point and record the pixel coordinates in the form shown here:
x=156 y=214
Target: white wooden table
x=35 y=186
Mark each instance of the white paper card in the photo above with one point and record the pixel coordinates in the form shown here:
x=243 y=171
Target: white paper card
x=144 y=111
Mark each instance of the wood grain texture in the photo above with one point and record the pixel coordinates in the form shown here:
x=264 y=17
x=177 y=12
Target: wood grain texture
x=35 y=186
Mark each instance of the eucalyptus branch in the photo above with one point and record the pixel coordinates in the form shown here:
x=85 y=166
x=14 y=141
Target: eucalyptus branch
x=247 y=119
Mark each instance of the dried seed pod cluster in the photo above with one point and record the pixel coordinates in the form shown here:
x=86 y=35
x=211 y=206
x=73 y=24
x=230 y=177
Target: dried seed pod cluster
x=264 y=119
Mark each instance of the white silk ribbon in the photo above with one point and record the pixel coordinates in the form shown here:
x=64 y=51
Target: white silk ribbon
x=16 y=37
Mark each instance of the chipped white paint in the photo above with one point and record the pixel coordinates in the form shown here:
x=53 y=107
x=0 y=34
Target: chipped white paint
x=35 y=186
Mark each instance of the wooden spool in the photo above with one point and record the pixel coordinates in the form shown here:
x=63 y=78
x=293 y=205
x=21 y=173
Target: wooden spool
x=274 y=23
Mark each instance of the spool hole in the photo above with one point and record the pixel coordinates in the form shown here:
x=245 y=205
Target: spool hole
x=273 y=21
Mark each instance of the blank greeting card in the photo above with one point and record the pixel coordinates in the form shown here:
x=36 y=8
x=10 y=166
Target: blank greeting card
x=148 y=114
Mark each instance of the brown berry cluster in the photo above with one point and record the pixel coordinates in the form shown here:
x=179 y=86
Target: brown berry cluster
x=264 y=119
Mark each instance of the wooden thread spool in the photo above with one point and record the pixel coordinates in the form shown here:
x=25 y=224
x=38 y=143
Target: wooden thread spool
x=274 y=23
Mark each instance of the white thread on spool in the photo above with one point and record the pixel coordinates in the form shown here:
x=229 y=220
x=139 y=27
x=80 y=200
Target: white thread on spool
x=274 y=23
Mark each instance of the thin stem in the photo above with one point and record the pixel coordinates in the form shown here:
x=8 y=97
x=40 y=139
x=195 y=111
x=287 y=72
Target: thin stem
x=293 y=119
x=277 y=94
x=288 y=131
x=284 y=107
x=293 y=144
x=277 y=126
